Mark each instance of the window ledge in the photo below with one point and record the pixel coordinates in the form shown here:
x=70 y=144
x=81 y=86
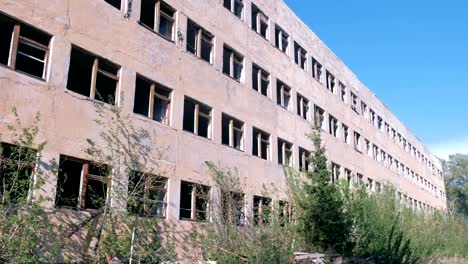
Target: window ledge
x=87 y=98
x=232 y=78
x=229 y=147
x=155 y=32
x=197 y=136
x=198 y=58
x=23 y=73
x=151 y=121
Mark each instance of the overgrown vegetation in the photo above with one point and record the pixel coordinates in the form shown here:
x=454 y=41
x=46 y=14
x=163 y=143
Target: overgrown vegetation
x=456 y=182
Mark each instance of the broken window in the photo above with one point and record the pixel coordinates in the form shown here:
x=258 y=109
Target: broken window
x=232 y=132
x=23 y=48
x=92 y=76
x=373 y=118
x=331 y=82
x=354 y=102
x=316 y=70
x=319 y=117
x=283 y=94
x=302 y=107
x=260 y=80
x=17 y=165
x=281 y=39
x=333 y=126
x=261 y=210
x=235 y=6
x=82 y=184
x=152 y=100
x=199 y=42
x=360 y=178
x=364 y=109
x=284 y=212
x=370 y=185
x=375 y=152
x=261 y=144
x=304 y=156
x=115 y=3
x=147 y=194
x=259 y=22
x=342 y=91
x=197 y=118
x=232 y=207
x=345 y=129
x=233 y=64
x=349 y=177
x=335 y=169
x=284 y=153
x=194 y=201
x=300 y=56
x=387 y=129
x=357 y=141
x=380 y=123
x=159 y=17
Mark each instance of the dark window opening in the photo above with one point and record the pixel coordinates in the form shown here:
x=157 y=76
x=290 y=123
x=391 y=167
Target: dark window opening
x=302 y=107
x=158 y=16
x=304 y=157
x=261 y=144
x=199 y=42
x=283 y=94
x=197 y=118
x=232 y=132
x=115 y=3
x=262 y=210
x=232 y=206
x=233 y=64
x=260 y=79
x=152 y=100
x=281 y=39
x=259 y=22
x=194 y=201
x=147 y=194
x=300 y=56
x=284 y=153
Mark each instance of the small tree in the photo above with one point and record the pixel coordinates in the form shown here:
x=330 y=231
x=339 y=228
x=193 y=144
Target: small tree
x=322 y=220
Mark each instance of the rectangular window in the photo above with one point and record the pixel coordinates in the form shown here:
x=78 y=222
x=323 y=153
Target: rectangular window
x=375 y=152
x=152 y=100
x=368 y=148
x=147 y=194
x=348 y=177
x=259 y=22
x=284 y=153
x=235 y=6
x=24 y=48
x=260 y=80
x=284 y=212
x=342 y=91
x=17 y=165
x=82 y=184
x=197 y=118
x=283 y=94
x=345 y=130
x=159 y=17
x=319 y=117
x=304 y=156
x=199 y=42
x=380 y=123
x=281 y=39
x=336 y=170
x=232 y=207
x=93 y=76
x=194 y=201
x=333 y=126
x=233 y=64
x=373 y=118
x=115 y=3
x=261 y=144
x=300 y=56
x=316 y=70
x=302 y=107
x=357 y=141
x=364 y=110
x=232 y=132
x=261 y=210
x=354 y=102
x=331 y=82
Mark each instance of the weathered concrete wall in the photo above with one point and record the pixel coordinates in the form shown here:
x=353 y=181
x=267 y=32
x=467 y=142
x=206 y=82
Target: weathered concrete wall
x=67 y=117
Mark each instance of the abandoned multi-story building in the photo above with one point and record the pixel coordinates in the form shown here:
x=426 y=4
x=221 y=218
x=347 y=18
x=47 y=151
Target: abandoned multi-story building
x=236 y=82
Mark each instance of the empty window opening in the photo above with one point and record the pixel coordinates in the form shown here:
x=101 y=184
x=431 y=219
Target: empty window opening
x=199 y=42
x=370 y=185
x=375 y=152
x=115 y=3
x=233 y=64
x=368 y=148
x=259 y=22
x=232 y=207
x=304 y=156
x=283 y=94
x=261 y=144
x=333 y=126
x=23 y=48
x=147 y=194
x=300 y=56
x=331 y=82
x=281 y=39
x=302 y=107
x=17 y=165
x=159 y=17
x=373 y=118
x=349 y=177
x=261 y=210
x=342 y=91
x=336 y=170
x=93 y=76
x=380 y=123
x=319 y=117
x=345 y=130
x=285 y=153
x=316 y=70
x=152 y=100
x=357 y=141
x=197 y=118
x=364 y=109
x=260 y=80
x=235 y=6
x=194 y=201
x=284 y=212
x=360 y=178
x=354 y=102
x=232 y=132
x=82 y=184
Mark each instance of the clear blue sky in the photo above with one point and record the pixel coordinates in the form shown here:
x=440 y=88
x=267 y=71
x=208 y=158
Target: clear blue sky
x=412 y=53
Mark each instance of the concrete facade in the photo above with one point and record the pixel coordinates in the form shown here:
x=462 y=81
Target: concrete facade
x=117 y=35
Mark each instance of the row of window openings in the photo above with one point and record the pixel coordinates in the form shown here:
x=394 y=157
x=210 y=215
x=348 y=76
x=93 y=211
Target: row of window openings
x=413 y=203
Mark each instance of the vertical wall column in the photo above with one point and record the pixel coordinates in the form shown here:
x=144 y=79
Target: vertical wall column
x=45 y=179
